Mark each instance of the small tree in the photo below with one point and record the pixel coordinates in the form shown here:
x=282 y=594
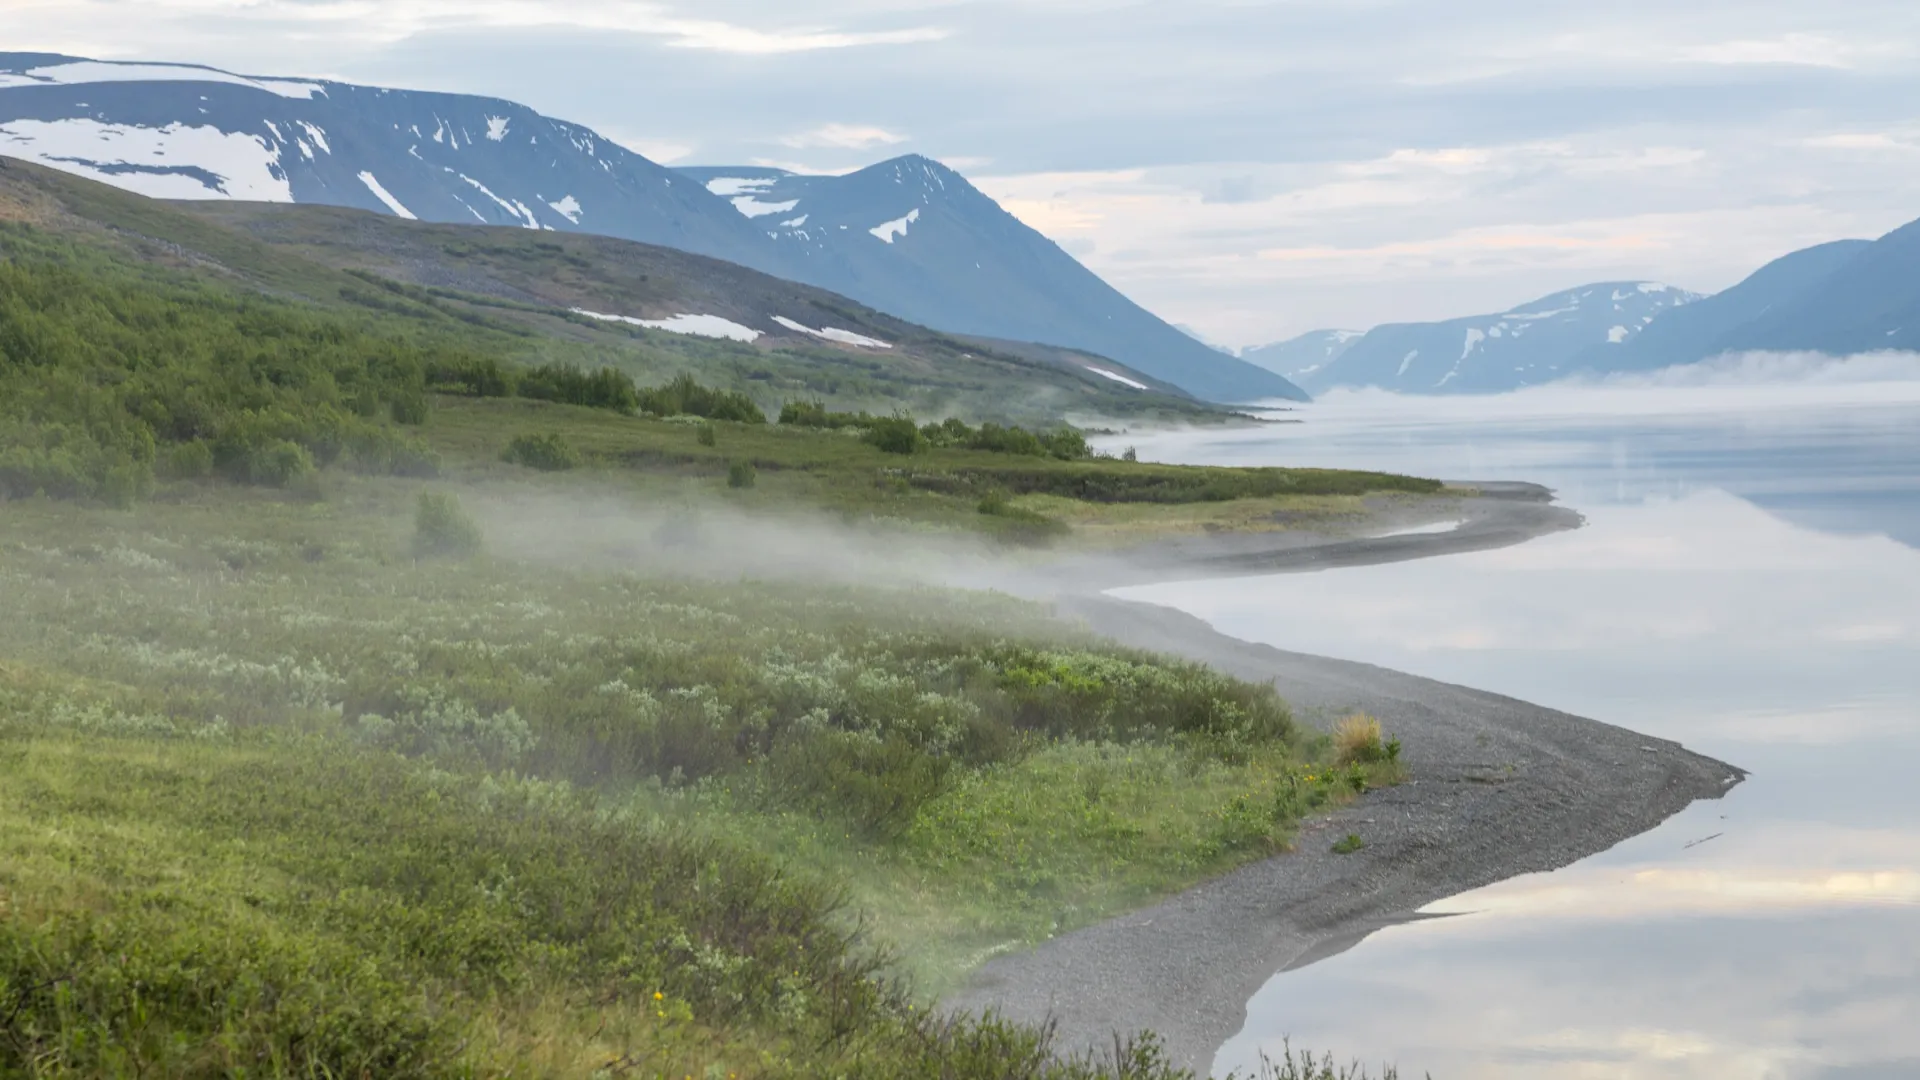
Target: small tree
x=741 y=474
x=709 y=436
x=442 y=529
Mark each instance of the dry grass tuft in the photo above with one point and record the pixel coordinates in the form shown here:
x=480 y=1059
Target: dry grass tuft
x=1357 y=739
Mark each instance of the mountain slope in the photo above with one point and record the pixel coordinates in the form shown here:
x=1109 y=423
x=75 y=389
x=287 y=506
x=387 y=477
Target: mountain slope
x=1696 y=331
x=1299 y=358
x=913 y=237
x=1868 y=303
x=1530 y=344
x=662 y=311
x=951 y=258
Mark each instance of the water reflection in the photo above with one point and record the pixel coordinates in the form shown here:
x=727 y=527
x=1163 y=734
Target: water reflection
x=1775 y=934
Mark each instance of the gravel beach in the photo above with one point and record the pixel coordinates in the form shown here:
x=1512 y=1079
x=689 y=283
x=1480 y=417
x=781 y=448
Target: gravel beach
x=1497 y=788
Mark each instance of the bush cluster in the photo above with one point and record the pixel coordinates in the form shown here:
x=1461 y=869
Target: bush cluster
x=547 y=453
x=685 y=396
x=108 y=377
x=566 y=384
x=901 y=434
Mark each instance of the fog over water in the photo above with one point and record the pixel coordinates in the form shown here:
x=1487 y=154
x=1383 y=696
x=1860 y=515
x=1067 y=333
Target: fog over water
x=1748 y=583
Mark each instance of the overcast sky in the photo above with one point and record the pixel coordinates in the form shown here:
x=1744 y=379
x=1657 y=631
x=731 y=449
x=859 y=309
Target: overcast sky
x=1253 y=169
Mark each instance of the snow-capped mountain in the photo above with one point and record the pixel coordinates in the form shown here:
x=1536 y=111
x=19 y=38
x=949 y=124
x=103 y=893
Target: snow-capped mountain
x=910 y=237
x=1299 y=358
x=913 y=237
x=1698 y=330
x=177 y=132
x=1530 y=344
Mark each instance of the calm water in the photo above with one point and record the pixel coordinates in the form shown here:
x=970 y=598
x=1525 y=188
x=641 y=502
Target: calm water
x=1749 y=584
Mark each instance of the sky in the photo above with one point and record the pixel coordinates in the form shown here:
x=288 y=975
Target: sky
x=1250 y=169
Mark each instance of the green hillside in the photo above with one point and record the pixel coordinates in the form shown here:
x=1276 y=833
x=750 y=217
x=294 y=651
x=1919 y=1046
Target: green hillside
x=385 y=690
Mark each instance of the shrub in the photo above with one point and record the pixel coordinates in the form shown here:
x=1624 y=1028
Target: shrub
x=814 y=414
x=1357 y=740
x=708 y=436
x=547 y=453
x=280 y=464
x=409 y=407
x=1348 y=844
x=893 y=435
x=741 y=474
x=442 y=529
x=190 y=461
x=567 y=384
x=684 y=396
x=471 y=376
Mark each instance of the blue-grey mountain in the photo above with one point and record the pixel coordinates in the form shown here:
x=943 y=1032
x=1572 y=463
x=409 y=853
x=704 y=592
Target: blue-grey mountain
x=1528 y=345
x=1300 y=358
x=909 y=237
x=1868 y=303
x=914 y=238
x=1708 y=327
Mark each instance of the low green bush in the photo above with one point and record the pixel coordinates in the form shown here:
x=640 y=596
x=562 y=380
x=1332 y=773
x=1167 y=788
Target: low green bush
x=741 y=474
x=893 y=435
x=547 y=453
x=442 y=529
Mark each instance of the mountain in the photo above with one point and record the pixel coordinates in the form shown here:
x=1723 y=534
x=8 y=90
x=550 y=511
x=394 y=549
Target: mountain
x=1870 y=302
x=909 y=236
x=1299 y=358
x=539 y=297
x=913 y=237
x=1701 y=329
x=1530 y=344
x=1196 y=335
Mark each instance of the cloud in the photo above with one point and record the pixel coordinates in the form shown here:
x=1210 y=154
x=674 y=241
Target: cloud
x=391 y=21
x=843 y=137
x=1809 y=49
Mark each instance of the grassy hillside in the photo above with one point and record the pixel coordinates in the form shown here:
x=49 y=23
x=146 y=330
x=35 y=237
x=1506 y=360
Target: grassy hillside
x=358 y=716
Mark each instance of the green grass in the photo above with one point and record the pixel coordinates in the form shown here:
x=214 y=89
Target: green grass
x=217 y=705
x=297 y=779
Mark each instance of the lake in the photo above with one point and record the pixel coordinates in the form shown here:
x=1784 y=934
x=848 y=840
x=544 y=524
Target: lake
x=1748 y=584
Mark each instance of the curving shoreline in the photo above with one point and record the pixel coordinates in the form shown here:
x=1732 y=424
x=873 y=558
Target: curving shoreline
x=1497 y=788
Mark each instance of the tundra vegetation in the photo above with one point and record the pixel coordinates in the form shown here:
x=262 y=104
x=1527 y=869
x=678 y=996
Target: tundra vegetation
x=300 y=779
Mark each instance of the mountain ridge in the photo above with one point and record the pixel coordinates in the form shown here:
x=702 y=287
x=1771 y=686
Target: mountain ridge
x=189 y=132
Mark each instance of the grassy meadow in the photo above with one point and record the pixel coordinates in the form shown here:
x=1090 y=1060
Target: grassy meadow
x=329 y=748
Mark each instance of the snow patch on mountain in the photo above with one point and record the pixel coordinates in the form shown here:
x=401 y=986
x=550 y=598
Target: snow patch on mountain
x=568 y=208
x=95 y=71
x=897 y=227
x=754 y=208
x=707 y=326
x=844 y=337
x=497 y=128
x=512 y=206
x=1117 y=377
x=177 y=161
x=728 y=186
x=381 y=193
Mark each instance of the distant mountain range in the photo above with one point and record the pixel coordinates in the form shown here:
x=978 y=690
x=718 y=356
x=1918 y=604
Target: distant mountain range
x=910 y=237
x=1533 y=343
x=1841 y=298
